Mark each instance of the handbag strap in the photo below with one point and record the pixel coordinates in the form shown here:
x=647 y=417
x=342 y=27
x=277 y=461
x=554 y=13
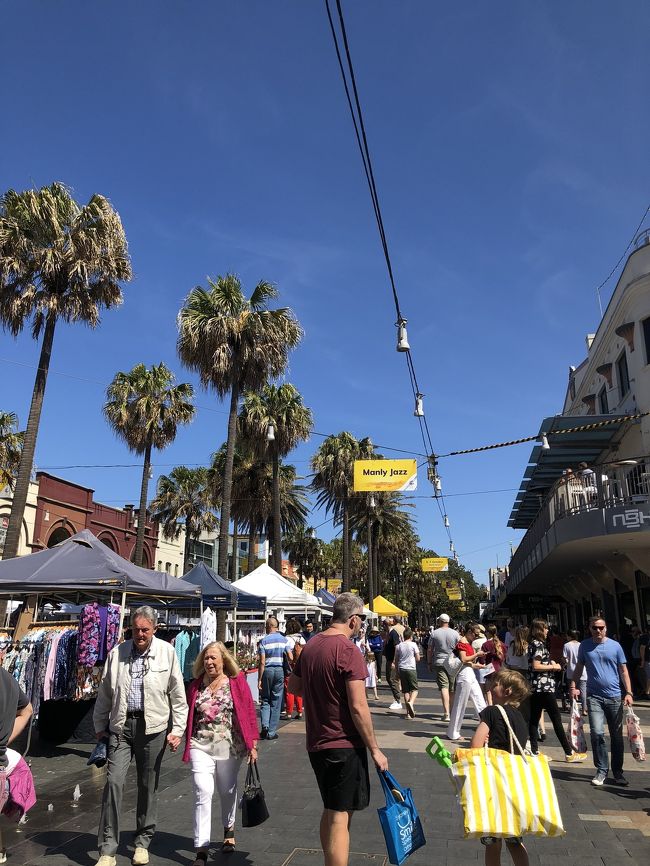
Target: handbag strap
x=392 y=789
x=513 y=736
x=252 y=776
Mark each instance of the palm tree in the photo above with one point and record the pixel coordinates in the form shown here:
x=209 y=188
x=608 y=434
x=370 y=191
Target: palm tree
x=58 y=261
x=302 y=547
x=243 y=471
x=183 y=498
x=235 y=344
x=274 y=421
x=144 y=408
x=333 y=468
x=11 y=443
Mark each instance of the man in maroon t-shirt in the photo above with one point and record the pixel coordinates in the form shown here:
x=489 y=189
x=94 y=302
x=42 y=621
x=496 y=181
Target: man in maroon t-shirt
x=330 y=674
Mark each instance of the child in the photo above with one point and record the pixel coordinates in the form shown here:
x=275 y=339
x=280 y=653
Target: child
x=509 y=689
x=371 y=679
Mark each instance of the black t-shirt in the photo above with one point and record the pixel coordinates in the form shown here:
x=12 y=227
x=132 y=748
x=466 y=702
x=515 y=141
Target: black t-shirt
x=394 y=638
x=12 y=699
x=499 y=736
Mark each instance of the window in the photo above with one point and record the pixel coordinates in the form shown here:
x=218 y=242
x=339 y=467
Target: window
x=646 y=339
x=168 y=567
x=160 y=565
x=603 y=406
x=176 y=570
x=623 y=375
x=4 y=523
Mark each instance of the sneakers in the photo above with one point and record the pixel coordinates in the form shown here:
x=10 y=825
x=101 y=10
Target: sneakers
x=599 y=779
x=410 y=710
x=444 y=717
x=264 y=733
x=395 y=706
x=106 y=860
x=576 y=758
x=140 y=857
x=621 y=780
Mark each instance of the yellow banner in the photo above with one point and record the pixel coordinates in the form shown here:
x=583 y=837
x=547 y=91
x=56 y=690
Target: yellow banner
x=435 y=563
x=450 y=583
x=387 y=475
x=454 y=595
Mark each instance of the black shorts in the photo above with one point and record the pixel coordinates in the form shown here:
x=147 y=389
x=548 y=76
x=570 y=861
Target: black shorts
x=342 y=776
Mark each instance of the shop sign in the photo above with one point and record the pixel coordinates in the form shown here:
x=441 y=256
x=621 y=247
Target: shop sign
x=435 y=563
x=385 y=475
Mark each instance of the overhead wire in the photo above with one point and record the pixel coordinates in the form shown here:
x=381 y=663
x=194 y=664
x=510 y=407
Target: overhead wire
x=364 y=149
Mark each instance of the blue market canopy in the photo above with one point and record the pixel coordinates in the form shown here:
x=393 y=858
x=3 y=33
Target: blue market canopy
x=218 y=592
x=84 y=563
x=326 y=597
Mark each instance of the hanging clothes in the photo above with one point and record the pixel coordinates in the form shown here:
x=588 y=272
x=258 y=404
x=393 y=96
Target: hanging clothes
x=99 y=627
x=187 y=646
x=208 y=627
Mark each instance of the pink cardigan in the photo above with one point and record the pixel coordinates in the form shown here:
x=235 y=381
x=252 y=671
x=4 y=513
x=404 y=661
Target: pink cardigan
x=244 y=711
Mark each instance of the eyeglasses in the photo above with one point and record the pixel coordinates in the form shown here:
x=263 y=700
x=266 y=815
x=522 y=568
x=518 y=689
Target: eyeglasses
x=362 y=616
x=598 y=627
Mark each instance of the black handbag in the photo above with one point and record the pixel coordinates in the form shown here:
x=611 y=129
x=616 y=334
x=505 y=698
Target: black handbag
x=253 y=802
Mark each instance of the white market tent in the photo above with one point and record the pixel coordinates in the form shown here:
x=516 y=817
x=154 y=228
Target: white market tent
x=278 y=591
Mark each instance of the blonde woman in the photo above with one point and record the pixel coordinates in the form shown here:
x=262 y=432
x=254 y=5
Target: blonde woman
x=221 y=730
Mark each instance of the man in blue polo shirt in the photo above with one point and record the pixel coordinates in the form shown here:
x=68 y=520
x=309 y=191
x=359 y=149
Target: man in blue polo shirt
x=270 y=677
x=604 y=660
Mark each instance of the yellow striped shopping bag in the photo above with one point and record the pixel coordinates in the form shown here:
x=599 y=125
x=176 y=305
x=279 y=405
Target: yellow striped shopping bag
x=504 y=794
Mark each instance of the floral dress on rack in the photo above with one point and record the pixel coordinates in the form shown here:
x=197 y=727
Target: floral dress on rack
x=215 y=728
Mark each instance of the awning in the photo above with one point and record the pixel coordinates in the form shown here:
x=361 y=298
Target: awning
x=567 y=450
x=383 y=607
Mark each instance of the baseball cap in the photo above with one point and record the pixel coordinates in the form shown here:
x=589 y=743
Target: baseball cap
x=444 y=617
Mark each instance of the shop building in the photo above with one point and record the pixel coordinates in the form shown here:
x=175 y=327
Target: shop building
x=586 y=546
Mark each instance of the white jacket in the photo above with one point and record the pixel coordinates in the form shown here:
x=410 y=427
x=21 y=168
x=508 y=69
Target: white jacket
x=164 y=691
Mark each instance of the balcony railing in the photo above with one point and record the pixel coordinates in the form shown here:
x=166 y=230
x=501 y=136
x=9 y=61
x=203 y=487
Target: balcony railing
x=624 y=483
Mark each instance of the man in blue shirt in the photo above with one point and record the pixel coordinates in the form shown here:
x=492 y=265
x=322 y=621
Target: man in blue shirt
x=270 y=677
x=604 y=660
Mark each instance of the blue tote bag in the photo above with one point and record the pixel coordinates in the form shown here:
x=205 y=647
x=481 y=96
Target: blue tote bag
x=399 y=820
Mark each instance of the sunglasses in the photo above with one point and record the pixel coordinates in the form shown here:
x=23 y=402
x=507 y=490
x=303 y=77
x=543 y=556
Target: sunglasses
x=361 y=616
x=598 y=627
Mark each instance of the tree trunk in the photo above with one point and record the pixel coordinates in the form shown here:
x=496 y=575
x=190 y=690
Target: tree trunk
x=277 y=528
x=252 y=536
x=375 y=560
x=300 y=573
x=186 y=549
x=21 y=489
x=371 y=584
x=224 y=525
x=142 y=513
x=234 y=559
x=346 y=547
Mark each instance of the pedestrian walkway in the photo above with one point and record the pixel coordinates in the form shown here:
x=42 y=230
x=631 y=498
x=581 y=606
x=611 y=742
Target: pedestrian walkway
x=608 y=826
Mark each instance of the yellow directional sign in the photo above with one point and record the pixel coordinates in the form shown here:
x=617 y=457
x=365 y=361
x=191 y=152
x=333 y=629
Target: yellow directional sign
x=454 y=595
x=386 y=475
x=435 y=563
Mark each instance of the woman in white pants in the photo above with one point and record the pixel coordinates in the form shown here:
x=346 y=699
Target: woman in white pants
x=466 y=684
x=221 y=731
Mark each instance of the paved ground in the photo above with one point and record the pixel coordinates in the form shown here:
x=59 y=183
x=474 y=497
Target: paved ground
x=604 y=826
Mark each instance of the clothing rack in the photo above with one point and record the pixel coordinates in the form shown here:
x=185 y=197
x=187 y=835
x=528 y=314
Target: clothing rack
x=54 y=623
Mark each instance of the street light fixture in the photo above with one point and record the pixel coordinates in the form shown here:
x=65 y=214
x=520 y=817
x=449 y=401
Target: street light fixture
x=270 y=433
x=402 y=336
x=419 y=406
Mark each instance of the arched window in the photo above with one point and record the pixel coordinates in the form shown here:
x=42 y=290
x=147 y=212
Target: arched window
x=58 y=536
x=108 y=541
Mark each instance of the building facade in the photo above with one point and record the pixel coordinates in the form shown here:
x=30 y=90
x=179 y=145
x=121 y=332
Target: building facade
x=584 y=500
x=29 y=518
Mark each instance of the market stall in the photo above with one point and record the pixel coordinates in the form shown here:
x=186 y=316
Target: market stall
x=57 y=658
x=283 y=599
x=383 y=607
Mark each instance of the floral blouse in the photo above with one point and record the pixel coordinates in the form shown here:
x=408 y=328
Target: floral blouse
x=541 y=681
x=215 y=728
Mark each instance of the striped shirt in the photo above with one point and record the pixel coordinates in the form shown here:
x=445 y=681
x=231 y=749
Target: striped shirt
x=273 y=647
x=139 y=665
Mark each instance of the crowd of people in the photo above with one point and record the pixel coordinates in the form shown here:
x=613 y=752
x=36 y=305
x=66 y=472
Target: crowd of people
x=513 y=676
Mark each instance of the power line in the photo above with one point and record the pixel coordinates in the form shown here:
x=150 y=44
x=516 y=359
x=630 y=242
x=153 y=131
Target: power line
x=356 y=114
x=615 y=268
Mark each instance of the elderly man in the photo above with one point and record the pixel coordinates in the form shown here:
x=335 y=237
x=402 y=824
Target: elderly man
x=331 y=673
x=604 y=661
x=442 y=641
x=141 y=687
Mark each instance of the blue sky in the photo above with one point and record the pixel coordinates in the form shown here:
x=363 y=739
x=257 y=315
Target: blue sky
x=510 y=150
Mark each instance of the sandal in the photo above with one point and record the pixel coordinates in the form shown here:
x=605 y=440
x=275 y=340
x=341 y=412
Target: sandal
x=228 y=839
x=200 y=858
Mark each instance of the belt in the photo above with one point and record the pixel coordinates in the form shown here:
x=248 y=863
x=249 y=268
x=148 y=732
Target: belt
x=135 y=714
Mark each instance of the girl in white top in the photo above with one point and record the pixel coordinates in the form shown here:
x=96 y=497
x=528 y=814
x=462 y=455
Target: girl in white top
x=407 y=656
